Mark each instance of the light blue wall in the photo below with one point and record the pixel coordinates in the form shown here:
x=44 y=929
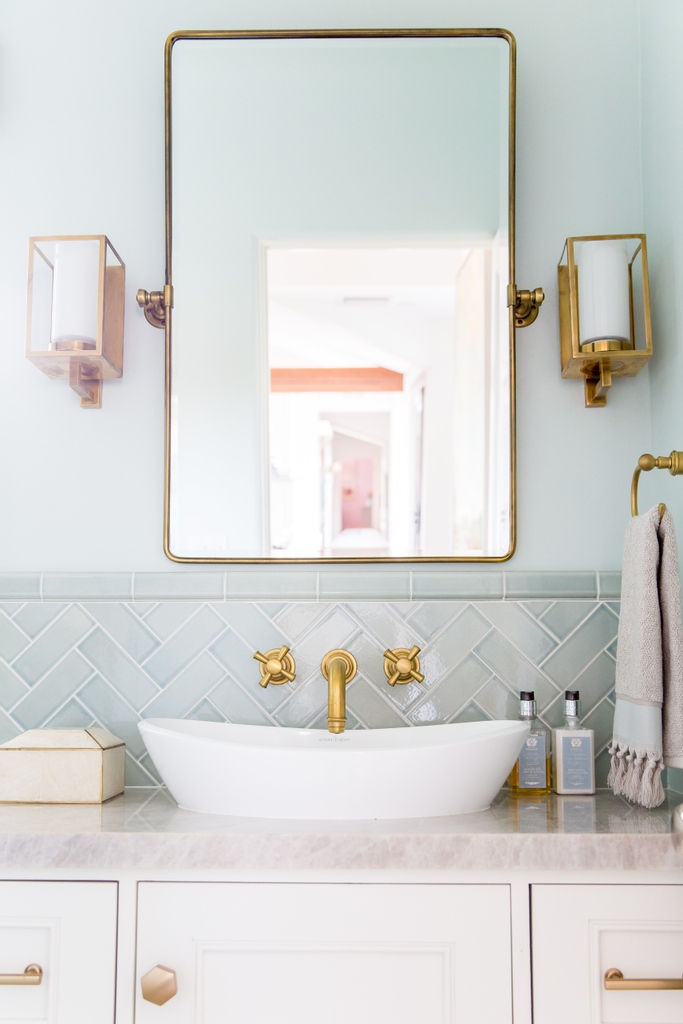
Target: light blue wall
x=662 y=117
x=81 y=128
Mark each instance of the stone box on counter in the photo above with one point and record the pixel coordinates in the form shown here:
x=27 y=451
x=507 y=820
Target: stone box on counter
x=62 y=766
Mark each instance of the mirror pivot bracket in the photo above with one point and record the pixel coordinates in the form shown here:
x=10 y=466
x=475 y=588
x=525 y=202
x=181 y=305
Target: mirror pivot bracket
x=526 y=303
x=155 y=305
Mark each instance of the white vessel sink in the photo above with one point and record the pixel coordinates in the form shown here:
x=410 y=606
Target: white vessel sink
x=269 y=772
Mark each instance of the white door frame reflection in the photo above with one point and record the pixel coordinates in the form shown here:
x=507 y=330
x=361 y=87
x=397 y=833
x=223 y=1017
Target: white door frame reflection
x=393 y=352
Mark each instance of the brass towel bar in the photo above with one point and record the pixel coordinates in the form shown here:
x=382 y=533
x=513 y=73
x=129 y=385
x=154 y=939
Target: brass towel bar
x=672 y=462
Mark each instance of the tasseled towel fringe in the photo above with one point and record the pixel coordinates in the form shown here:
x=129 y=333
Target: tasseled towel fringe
x=636 y=775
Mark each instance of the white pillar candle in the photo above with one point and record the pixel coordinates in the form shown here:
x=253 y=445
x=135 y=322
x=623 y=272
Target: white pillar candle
x=604 y=307
x=74 y=292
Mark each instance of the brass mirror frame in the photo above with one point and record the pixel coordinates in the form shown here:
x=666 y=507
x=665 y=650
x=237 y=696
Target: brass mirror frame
x=167 y=296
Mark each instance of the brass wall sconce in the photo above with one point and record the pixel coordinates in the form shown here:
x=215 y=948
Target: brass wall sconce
x=75 y=311
x=605 y=328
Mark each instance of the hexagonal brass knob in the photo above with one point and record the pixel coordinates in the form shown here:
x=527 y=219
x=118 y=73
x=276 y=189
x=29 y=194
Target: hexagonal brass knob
x=159 y=985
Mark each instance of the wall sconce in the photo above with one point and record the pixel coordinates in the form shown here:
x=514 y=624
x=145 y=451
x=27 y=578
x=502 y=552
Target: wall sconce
x=75 y=311
x=605 y=328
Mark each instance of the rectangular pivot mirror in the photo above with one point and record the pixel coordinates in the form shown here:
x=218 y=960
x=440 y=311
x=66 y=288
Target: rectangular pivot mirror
x=340 y=383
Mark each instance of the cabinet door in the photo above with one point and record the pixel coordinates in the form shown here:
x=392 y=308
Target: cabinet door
x=342 y=954
x=581 y=931
x=69 y=929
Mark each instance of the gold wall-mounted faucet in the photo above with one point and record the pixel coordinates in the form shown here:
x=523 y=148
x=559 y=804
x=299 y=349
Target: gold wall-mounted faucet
x=338 y=667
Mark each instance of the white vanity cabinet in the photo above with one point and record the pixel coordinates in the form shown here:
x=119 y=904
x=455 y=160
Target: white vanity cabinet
x=304 y=953
x=581 y=931
x=69 y=930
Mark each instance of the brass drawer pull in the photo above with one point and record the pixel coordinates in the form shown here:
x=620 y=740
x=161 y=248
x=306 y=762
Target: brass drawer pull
x=33 y=975
x=159 y=985
x=614 y=980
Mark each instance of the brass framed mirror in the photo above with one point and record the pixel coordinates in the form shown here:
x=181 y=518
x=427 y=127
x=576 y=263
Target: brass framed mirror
x=340 y=251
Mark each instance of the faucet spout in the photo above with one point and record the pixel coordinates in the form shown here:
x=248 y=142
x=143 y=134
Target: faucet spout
x=339 y=668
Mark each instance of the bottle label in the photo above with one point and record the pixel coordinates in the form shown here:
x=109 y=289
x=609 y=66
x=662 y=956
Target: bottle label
x=576 y=762
x=532 y=763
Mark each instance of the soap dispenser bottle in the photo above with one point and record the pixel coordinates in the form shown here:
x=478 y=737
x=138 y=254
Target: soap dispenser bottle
x=531 y=773
x=573 y=751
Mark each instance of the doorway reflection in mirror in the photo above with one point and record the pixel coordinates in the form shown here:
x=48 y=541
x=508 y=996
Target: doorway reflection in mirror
x=388 y=411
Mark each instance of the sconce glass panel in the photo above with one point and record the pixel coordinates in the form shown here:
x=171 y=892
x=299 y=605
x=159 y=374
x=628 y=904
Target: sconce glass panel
x=75 y=311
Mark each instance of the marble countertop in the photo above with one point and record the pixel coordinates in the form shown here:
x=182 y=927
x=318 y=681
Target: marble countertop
x=146 y=829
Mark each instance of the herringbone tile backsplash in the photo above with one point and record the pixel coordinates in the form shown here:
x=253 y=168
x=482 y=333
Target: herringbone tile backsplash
x=112 y=663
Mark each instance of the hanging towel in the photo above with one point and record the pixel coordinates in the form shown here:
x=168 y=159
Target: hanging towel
x=648 y=718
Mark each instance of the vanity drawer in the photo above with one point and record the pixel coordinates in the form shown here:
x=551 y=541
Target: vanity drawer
x=301 y=954
x=69 y=930
x=581 y=931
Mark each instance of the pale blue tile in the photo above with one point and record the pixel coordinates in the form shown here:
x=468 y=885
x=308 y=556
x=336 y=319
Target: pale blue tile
x=536 y=608
x=34 y=617
x=238 y=659
x=521 y=629
x=564 y=616
x=612 y=649
x=452 y=693
x=335 y=630
x=257 y=585
x=615 y=606
x=71 y=716
x=609 y=586
x=529 y=585
x=602 y=766
x=370 y=708
x=388 y=629
x=595 y=682
x=596 y=633
x=118 y=669
x=125 y=628
x=10 y=608
x=136 y=775
x=165 y=619
x=406 y=695
x=178 y=586
x=429 y=618
x=180 y=696
x=272 y=608
x=142 y=608
x=249 y=622
x=53 y=644
x=369 y=655
x=453 y=644
x=237 y=706
x=12 y=640
x=363 y=586
x=498 y=701
x=184 y=646
x=109 y=708
x=19 y=586
x=297 y=619
x=8 y=728
x=472 y=713
x=12 y=688
x=52 y=691
x=514 y=669
x=674 y=777
x=87 y=586
x=468 y=586
x=402 y=608
x=147 y=764
x=305 y=704
x=205 y=711
x=601 y=721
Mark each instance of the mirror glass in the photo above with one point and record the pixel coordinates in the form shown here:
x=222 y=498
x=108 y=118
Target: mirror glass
x=339 y=245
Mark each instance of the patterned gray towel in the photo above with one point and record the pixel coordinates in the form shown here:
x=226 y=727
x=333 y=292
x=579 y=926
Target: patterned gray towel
x=648 y=719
